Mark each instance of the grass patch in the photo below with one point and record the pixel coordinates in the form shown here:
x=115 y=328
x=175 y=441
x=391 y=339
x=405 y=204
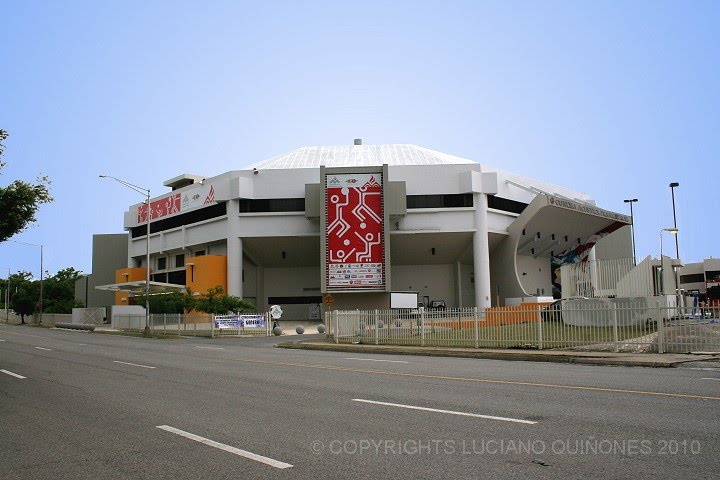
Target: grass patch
x=520 y=335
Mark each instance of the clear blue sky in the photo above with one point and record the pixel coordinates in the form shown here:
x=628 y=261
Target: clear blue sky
x=613 y=98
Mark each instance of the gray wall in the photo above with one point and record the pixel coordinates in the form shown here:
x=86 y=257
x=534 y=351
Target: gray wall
x=109 y=254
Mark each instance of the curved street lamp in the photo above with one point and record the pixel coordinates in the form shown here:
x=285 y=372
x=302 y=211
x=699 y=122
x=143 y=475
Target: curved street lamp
x=146 y=192
x=41 y=273
x=672 y=191
x=674 y=231
x=632 y=226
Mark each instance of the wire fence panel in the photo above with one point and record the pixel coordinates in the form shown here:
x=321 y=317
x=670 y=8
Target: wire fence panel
x=619 y=326
x=195 y=325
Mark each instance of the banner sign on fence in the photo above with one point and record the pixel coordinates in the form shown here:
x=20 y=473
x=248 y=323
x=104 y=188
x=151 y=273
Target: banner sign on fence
x=239 y=321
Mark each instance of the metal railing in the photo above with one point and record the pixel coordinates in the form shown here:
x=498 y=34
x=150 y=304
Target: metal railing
x=621 y=326
x=194 y=325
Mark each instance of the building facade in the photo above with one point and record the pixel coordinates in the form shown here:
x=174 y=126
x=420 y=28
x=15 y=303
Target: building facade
x=359 y=222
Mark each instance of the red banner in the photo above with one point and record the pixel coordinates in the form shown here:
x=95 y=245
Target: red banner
x=355 y=255
x=160 y=208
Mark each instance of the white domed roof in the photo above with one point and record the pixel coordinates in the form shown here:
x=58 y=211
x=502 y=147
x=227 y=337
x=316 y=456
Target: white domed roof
x=358 y=156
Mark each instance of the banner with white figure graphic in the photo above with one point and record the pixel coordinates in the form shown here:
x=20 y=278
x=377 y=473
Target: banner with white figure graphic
x=195 y=197
x=355 y=255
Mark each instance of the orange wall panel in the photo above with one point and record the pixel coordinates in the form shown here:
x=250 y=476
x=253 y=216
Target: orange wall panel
x=124 y=275
x=206 y=272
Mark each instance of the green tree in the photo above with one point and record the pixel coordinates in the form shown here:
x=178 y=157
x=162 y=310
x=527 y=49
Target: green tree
x=215 y=301
x=19 y=201
x=59 y=291
x=24 y=294
x=174 y=302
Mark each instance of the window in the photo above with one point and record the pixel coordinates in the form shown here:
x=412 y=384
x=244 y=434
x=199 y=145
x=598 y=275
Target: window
x=179 y=260
x=162 y=263
x=159 y=277
x=200 y=253
x=213 y=211
x=272 y=205
x=505 y=204
x=295 y=300
x=440 y=201
x=176 y=277
x=692 y=278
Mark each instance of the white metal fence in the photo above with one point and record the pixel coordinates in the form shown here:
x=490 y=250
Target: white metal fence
x=597 y=278
x=199 y=325
x=620 y=327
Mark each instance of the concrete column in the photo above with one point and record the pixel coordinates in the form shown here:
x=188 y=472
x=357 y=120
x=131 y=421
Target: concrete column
x=260 y=289
x=458 y=284
x=481 y=252
x=234 y=250
x=592 y=263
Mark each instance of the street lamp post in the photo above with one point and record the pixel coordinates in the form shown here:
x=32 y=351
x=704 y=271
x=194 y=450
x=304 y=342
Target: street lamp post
x=41 y=273
x=146 y=192
x=7 y=295
x=672 y=190
x=674 y=231
x=632 y=226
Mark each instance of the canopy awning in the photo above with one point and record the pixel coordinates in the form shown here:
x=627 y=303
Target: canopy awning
x=139 y=288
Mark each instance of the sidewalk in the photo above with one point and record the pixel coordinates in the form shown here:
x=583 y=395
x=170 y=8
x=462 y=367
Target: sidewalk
x=663 y=360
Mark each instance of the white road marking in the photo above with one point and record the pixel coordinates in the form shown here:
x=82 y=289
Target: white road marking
x=133 y=364
x=12 y=374
x=41 y=348
x=451 y=412
x=227 y=448
x=711 y=379
x=211 y=348
x=1 y=340
x=376 y=360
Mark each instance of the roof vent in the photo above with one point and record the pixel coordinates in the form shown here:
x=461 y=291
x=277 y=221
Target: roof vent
x=358 y=141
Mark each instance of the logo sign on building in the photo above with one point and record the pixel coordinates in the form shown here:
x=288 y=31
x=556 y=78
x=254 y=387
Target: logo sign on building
x=355 y=254
x=239 y=321
x=196 y=197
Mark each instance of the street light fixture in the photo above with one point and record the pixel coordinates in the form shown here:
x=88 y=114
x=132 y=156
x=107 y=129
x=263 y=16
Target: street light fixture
x=674 y=231
x=672 y=190
x=632 y=226
x=146 y=192
x=41 y=273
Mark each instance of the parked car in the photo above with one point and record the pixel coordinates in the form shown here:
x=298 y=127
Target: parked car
x=437 y=305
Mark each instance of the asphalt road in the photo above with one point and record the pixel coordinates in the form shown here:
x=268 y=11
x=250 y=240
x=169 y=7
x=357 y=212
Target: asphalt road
x=105 y=406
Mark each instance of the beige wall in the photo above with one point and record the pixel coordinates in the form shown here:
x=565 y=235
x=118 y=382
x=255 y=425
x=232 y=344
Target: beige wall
x=616 y=245
x=435 y=281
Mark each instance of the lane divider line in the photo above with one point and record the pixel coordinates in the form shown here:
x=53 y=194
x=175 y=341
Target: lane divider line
x=211 y=348
x=227 y=448
x=474 y=380
x=43 y=348
x=711 y=378
x=451 y=412
x=376 y=360
x=133 y=364
x=12 y=374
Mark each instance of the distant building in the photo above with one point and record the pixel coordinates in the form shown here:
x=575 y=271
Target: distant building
x=109 y=253
x=695 y=276
x=362 y=221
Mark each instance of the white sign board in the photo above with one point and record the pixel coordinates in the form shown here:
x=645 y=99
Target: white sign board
x=403 y=300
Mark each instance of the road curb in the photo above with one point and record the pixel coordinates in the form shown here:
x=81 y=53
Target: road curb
x=490 y=355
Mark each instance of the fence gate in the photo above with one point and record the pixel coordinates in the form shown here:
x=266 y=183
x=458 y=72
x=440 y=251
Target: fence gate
x=88 y=316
